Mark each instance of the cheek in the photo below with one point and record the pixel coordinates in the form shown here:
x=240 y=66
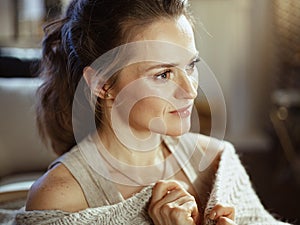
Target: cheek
x=153 y=114
x=150 y=115
x=144 y=91
x=148 y=108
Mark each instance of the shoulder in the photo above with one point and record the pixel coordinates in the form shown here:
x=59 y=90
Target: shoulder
x=56 y=190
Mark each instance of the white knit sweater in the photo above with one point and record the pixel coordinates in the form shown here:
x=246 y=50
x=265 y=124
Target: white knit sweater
x=232 y=186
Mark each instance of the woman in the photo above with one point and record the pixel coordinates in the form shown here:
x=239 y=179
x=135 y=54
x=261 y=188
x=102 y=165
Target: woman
x=135 y=160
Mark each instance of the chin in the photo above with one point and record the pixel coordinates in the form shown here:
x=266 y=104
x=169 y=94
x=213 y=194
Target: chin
x=179 y=130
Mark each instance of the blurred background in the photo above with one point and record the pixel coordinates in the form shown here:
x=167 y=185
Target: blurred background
x=253 y=48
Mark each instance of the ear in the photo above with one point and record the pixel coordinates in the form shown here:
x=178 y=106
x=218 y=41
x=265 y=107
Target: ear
x=88 y=73
x=102 y=92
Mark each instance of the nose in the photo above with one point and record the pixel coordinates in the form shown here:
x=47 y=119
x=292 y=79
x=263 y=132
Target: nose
x=187 y=87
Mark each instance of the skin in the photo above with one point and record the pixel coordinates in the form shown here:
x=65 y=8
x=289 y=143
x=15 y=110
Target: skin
x=171 y=202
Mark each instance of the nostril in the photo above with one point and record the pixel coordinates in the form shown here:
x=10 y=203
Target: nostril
x=187 y=89
x=186 y=93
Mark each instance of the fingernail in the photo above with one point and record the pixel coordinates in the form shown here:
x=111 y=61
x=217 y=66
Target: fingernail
x=212 y=215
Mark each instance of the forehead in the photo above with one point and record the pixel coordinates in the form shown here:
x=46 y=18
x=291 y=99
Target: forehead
x=168 y=41
x=174 y=31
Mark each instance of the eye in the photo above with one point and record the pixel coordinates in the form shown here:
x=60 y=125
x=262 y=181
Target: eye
x=190 y=68
x=163 y=76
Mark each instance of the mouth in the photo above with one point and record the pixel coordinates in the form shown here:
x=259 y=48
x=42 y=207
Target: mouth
x=183 y=112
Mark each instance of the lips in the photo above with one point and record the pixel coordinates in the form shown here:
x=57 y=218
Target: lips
x=183 y=112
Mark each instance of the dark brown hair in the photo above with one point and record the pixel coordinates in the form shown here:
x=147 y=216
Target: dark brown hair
x=87 y=30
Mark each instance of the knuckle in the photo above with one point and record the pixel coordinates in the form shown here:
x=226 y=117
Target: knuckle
x=163 y=185
x=219 y=206
x=191 y=198
x=159 y=184
x=176 y=212
x=166 y=209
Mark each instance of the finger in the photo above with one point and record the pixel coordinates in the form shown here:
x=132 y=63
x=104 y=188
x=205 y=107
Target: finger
x=185 y=203
x=176 y=196
x=162 y=188
x=170 y=201
x=192 y=208
x=183 y=209
x=225 y=221
x=185 y=199
x=222 y=210
x=180 y=214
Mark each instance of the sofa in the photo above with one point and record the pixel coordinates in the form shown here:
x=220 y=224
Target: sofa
x=23 y=157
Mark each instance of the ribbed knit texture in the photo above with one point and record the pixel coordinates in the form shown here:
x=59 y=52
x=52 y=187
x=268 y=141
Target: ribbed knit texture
x=232 y=186
x=132 y=211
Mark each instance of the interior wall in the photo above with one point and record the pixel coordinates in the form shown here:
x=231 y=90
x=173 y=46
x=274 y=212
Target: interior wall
x=6 y=21
x=233 y=37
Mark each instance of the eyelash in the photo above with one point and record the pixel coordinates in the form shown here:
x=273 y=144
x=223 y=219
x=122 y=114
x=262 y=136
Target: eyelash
x=189 y=67
x=159 y=76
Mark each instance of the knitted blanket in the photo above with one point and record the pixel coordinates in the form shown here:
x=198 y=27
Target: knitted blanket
x=232 y=186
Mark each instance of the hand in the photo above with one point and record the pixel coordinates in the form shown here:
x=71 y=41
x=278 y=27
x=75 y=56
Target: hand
x=171 y=204
x=224 y=215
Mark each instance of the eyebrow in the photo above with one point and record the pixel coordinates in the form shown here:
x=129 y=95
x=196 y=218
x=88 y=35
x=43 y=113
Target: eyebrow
x=169 y=65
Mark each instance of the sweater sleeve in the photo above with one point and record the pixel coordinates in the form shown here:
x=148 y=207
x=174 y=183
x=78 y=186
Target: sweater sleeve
x=131 y=211
x=233 y=186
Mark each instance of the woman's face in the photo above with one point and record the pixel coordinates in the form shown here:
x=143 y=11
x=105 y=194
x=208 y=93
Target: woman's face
x=157 y=95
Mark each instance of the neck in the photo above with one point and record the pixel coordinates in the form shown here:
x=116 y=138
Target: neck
x=135 y=152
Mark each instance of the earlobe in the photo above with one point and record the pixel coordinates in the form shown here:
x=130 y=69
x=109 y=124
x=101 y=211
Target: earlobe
x=108 y=95
x=104 y=94
x=101 y=93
